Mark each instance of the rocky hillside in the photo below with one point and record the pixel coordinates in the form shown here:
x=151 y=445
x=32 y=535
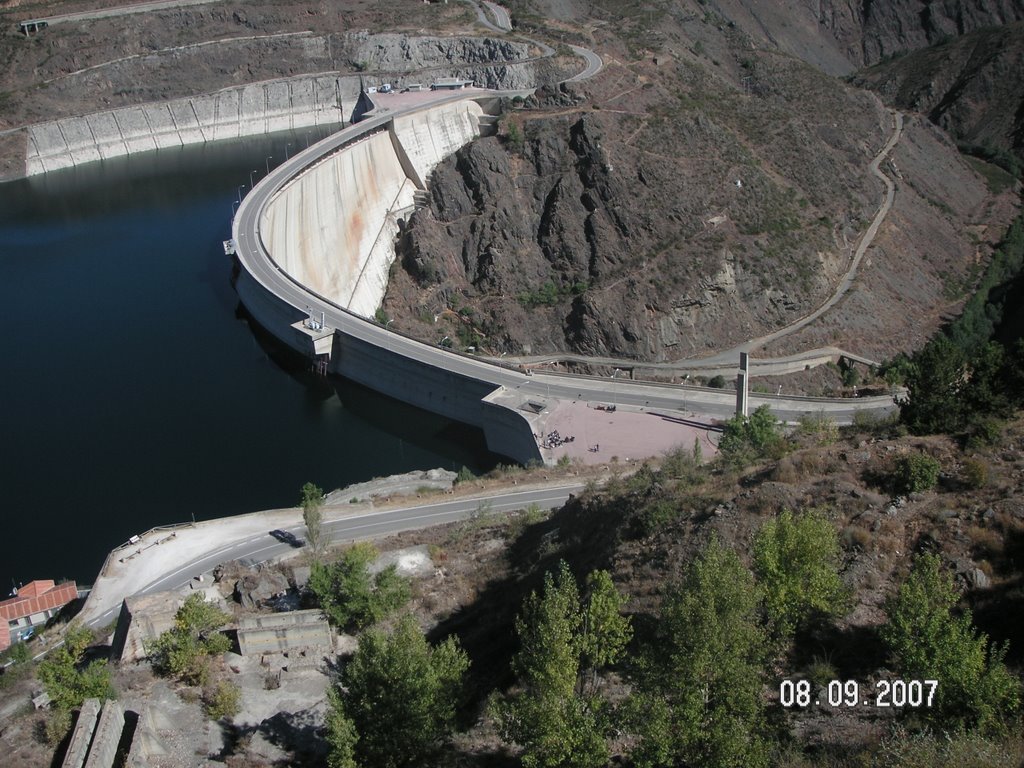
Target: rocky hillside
x=691 y=197
x=839 y=35
x=80 y=68
x=970 y=86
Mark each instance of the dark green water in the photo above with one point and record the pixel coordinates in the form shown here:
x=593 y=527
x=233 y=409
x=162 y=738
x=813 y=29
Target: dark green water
x=133 y=392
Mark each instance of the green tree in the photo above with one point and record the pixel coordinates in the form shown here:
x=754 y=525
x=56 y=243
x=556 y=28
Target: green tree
x=928 y=641
x=182 y=651
x=313 y=516
x=67 y=679
x=352 y=597
x=986 y=390
x=747 y=439
x=399 y=699
x=551 y=718
x=796 y=560
x=699 y=694
x=605 y=632
x=935 y=381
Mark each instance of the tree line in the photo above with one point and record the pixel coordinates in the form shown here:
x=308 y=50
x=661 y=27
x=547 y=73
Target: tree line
x=694 y=690
x=965 y=380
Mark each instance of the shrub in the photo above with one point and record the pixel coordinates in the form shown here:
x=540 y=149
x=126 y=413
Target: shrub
x=819 y=427
x=56 y=726
x=654 y=517
x=976 y=473
x=222 y=700
x=67 y=680
x=916 y=473
x=856 y=537
x=353 y=598
x=983 y=432
x=796 y=560
x=718 y=382
x=183 y=651
x=747 y=439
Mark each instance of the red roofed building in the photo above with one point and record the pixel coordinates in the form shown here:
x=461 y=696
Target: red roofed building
x=36 y=602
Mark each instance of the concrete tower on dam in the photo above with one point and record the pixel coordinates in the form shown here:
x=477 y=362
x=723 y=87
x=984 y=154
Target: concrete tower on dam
x=316 y=239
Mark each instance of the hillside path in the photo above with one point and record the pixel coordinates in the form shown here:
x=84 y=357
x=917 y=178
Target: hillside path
x=729 y=356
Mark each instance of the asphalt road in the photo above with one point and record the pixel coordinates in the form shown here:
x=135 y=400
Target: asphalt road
x=501 y=17
x=258 y=549
x=122 y=10
x=594 y=64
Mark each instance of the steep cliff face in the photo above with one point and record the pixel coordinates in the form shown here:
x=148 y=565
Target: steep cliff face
x=971 y=86
x=842 y=35
x=873 y=30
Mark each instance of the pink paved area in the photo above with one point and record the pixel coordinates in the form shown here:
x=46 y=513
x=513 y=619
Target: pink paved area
x=626 y=433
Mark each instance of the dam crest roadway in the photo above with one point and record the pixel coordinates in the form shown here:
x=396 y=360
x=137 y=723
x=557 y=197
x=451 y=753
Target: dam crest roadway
x=315 y=240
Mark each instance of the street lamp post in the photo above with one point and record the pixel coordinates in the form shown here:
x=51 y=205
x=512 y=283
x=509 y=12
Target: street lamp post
x=251 y=184
x=286 y=152
x=240 y=188
x=267 y=163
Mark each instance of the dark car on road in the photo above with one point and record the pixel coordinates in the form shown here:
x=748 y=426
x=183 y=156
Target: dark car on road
x=286 y=537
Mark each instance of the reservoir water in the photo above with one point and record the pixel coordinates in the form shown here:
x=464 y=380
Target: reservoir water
x=134 y=392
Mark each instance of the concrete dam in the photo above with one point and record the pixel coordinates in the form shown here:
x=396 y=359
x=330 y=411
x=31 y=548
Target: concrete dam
x=316 y=240
x=332 y=228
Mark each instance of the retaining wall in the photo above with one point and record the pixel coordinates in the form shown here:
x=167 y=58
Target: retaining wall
x=249 y=110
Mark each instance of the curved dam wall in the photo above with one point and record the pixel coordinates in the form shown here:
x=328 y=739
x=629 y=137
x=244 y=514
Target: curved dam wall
x=327 y=234
x=333 y=228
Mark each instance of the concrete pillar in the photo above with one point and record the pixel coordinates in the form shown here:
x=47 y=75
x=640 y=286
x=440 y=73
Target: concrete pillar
x=107 y=736
x=742 y=386
x=81 y=738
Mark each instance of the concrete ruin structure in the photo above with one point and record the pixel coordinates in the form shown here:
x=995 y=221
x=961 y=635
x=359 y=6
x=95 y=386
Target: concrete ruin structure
x=96 y=736
x=142 y=620
x=280 y=632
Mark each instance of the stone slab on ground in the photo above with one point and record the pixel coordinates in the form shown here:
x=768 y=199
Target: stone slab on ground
x=396 y=485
